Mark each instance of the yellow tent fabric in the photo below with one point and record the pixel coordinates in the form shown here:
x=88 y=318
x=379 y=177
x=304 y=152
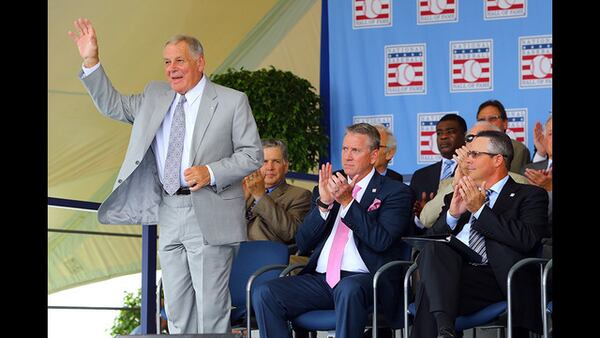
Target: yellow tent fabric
x=86 y=149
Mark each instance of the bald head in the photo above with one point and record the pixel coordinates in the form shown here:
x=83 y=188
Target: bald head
x=482 y=126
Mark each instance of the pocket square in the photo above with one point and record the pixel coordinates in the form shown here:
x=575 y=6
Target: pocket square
x=375 y=205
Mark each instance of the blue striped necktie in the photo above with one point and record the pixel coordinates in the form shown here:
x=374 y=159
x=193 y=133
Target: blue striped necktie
x=476 y=239
x=447 y=170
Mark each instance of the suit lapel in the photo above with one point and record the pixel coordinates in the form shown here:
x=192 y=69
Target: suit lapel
x=280 y=190
x=502 y=203
x=437 y=172
x=504 y=200
x=371 y=190
x=208 y=105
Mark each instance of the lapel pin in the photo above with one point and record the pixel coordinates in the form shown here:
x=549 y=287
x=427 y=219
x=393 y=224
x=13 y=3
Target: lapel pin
x=374 y=190
x=512 y=194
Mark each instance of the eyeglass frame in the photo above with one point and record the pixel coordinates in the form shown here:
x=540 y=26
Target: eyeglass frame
x=490 y=119
x=475 y=154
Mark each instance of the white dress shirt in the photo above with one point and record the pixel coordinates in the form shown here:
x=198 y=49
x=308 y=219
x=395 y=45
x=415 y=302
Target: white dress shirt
x=463 y=235
x=351 y=260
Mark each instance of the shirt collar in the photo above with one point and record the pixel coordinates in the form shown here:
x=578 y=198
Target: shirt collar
x=499 y=185
x=270 y=190
x=195 y=93
x=365 y=180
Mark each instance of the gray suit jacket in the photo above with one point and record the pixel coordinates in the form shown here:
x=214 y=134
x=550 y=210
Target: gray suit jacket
x=225 y=138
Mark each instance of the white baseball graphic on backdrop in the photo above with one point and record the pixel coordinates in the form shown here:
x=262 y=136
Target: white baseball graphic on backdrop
x=472 y=70
x=405 y=74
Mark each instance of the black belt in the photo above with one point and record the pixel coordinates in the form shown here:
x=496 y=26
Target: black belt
x=182 y=191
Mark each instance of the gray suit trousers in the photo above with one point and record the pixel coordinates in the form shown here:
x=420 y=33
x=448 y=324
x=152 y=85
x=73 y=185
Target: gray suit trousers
x=195 y=274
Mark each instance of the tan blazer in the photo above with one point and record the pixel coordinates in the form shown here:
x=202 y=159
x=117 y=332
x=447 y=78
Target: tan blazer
x=521 y=157
x=276 y=216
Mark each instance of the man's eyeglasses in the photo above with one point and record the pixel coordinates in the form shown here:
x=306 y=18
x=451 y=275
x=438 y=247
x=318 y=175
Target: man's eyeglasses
x=470 y=137
x=490 y=119
x=475 y=154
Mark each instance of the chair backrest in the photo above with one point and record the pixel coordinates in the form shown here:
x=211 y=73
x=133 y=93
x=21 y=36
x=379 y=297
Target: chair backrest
x=251 y=256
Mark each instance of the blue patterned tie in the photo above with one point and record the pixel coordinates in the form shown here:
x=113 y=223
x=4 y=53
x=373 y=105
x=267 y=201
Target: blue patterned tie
x=173 y=162
x=476 y=239
x=447 y=170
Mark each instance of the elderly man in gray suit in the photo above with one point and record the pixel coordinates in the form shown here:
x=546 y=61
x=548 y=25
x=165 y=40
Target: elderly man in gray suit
x=191 y=144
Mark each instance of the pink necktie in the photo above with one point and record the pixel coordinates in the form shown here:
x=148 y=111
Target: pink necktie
x=334 y=262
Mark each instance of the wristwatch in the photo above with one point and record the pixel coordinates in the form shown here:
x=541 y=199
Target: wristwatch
x=323 y=205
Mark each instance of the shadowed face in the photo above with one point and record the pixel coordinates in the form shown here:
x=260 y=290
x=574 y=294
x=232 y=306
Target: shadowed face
x=182 y=69
x=385 y=153
x=493 y=116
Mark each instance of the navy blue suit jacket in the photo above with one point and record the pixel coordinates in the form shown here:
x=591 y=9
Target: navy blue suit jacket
x=377 y=235
x=513 y=230
x=426 y=179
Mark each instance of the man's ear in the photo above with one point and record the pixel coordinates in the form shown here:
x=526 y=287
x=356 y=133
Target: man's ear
x=374 y=155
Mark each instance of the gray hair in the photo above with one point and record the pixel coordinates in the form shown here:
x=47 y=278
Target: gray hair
x=193 y=44
x=500 y=143
x=485 y=125
x=366 y=129
x=276 y=143
x=391 y=139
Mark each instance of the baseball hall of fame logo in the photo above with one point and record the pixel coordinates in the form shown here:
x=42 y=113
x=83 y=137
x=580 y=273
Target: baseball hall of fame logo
x=386 y=120
x=405 y=70
x=517 y=124
x=504 y=9
x=427 y=150
x=535 y=61
x=436 y=11
x=371 y=13
x=471 y=65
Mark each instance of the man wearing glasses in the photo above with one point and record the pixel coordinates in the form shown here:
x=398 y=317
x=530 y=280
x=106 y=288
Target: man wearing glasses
x=432 y=209
x=499 y=219
x=493 y=112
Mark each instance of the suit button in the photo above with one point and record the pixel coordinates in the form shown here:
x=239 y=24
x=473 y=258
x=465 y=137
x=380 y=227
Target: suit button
x=120 y=180
x=137 y=162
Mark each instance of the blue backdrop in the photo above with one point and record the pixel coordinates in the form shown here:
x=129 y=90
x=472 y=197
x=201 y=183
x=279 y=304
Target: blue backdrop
x=407 y=63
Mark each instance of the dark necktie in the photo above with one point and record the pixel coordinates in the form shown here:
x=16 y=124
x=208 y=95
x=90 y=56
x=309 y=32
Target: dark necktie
x=476 y=239
x=175 y=150
x=249 y=213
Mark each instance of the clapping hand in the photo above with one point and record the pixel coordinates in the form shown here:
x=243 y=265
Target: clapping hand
x=541 y=178
x=255 y=184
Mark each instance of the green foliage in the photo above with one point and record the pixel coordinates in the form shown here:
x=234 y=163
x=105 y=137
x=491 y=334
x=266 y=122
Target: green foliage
x=127 y=320
x=286 y=107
